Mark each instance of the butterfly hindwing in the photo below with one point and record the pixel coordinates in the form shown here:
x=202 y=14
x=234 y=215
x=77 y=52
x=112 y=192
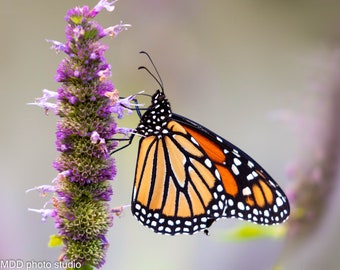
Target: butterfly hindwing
x=251 y=192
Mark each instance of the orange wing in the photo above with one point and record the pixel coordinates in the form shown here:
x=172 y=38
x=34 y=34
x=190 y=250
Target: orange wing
x=189 y=177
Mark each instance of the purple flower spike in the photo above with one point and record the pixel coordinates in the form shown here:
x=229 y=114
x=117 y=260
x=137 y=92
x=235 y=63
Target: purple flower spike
x=85 y=102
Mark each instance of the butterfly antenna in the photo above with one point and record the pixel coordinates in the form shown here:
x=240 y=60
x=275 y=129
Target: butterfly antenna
x=159 y=79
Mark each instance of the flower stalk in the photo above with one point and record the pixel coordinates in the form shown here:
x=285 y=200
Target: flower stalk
x=86 y=103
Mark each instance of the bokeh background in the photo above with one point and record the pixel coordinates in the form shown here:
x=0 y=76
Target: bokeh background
x=245 y=69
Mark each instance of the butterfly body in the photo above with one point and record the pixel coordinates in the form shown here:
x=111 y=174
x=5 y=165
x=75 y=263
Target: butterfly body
x=187 y=177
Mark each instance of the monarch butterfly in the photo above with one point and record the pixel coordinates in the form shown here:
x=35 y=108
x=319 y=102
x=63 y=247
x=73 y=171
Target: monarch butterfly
x=187 y=176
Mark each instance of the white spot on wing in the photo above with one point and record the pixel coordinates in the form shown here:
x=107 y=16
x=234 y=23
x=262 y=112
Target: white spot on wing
x=246 y=191
x=235 y=152
x=230 y=202
x=235 y=170
x=250 y=177
x=215 y=195
x=266 y=213
x=279 y=202
x=134 y=195
x=240 y=205
x=237 y=162
x=208 y=163
x=217 y=174
x=194 y=141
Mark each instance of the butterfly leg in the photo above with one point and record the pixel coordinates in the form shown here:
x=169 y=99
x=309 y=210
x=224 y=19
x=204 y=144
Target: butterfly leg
x=123 y=139
x=137 y=109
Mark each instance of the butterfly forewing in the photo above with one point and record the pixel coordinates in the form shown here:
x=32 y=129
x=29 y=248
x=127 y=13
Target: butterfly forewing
x=175 y=188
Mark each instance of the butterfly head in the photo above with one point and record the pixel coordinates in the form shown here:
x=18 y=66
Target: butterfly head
x=156 y=117
x=158 y=97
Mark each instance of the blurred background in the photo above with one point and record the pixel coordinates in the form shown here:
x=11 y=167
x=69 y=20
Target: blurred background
x=262 y=74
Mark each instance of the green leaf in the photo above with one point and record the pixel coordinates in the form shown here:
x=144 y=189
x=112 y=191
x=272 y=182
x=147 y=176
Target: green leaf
x=76 y=19
x=55 y=241
x=91 y=34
